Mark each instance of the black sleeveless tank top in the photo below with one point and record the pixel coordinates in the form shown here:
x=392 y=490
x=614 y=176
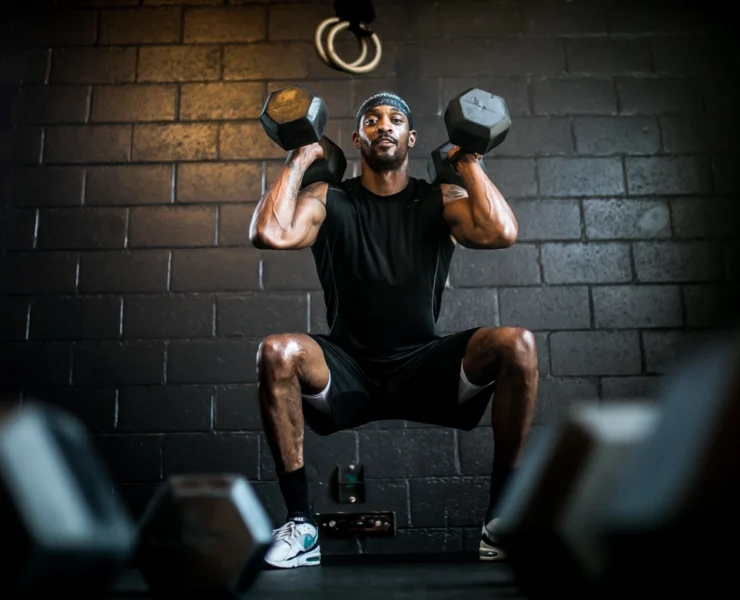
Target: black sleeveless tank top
x=383 y=263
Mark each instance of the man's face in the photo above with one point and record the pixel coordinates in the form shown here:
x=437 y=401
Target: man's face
x=384 y=138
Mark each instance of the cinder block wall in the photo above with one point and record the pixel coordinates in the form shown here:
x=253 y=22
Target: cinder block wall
x=133 y=159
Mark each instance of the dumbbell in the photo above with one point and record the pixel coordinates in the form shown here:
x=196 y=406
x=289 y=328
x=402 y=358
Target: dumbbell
x=673 y=515
x=62 y=530
x=549 y=513
x=634 y=500
x=476 y=121
x=293 y=117
x=203 y=536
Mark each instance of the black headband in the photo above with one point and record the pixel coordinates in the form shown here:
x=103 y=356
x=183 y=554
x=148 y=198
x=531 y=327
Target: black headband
x=385 y=99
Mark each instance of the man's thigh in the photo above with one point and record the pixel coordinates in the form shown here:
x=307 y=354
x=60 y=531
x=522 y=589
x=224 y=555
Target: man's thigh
x=349 y=400
x=427 y=390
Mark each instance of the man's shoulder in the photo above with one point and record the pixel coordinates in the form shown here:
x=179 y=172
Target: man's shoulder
x=424 y=184
x=345 y=187
x=426 y=191
x=340 y=197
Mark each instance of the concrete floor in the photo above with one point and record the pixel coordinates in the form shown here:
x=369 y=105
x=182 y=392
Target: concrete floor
x=365 y=578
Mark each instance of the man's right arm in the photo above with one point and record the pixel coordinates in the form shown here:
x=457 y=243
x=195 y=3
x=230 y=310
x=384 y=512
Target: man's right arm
x=286 y=217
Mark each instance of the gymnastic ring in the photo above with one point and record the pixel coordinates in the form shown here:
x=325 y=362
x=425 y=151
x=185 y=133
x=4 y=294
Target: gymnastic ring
x=322 y=54
x=351 y=68
x=320 y=50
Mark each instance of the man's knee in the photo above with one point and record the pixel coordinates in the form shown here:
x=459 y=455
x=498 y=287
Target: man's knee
x=515 y=347
x=279 y=355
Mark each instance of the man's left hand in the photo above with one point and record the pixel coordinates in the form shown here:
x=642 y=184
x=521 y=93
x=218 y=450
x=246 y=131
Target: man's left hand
x=456 y=155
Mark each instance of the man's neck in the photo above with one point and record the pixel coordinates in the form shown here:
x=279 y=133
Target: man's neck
x=384 y=183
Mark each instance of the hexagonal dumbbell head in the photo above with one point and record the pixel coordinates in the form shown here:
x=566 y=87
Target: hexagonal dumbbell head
x=441 y=170
x=203 y=534
x=294 y=117
x=477 y=121
x=59 y=524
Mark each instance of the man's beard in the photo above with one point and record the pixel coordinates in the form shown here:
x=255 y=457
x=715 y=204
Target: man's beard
x=384 y=162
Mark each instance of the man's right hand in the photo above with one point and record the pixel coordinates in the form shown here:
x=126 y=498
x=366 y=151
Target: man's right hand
x=312 y=152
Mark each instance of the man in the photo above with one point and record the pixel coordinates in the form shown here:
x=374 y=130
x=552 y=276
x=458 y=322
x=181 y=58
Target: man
x=382 y=244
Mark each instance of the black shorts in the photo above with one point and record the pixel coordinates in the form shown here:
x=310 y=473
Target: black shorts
x=421 y=387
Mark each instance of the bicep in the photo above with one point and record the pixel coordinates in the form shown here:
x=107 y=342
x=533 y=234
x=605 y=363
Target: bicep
x=459 y=217
x=456 y=212
x=455 y=205
x=310 y=213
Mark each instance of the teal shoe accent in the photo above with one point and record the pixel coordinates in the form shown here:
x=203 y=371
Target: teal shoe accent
x=308 y=541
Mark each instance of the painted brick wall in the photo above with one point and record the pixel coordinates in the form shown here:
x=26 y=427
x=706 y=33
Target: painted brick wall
x=132 y=159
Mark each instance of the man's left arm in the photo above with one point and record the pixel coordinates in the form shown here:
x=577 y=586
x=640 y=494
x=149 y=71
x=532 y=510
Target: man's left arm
x=477 y=213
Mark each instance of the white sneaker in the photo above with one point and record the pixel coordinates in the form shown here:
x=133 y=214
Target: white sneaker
x=489 y=548
x=295 y=544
